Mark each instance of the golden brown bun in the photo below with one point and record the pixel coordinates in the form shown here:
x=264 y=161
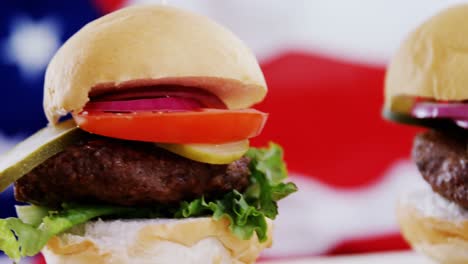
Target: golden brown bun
x=432 y=62
x=441 y=233
x=163 y=241
x=151 y=45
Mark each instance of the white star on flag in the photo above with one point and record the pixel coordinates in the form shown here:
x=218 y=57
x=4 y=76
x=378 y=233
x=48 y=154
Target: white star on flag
x=31 y=44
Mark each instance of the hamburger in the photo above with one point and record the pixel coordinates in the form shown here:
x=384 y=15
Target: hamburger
x=146 y=158
x=427 y=85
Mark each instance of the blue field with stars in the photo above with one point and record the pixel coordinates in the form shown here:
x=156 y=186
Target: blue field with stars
x=30 y=33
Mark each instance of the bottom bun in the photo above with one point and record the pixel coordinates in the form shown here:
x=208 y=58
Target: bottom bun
x=193 y=240
x=435 y=226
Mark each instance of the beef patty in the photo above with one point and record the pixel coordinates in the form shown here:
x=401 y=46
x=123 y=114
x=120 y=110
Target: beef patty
x=126 y=173
x=442 y=159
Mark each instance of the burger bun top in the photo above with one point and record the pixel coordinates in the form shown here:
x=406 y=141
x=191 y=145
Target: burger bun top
x=149 y=45
x=431 y=63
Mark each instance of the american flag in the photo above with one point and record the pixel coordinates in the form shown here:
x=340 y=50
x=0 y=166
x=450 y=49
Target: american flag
x=324 y=62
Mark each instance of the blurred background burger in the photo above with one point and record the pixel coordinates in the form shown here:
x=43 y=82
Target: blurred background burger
x=426 y=85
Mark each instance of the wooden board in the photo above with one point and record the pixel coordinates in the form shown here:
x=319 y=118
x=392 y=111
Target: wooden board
x=383 y=258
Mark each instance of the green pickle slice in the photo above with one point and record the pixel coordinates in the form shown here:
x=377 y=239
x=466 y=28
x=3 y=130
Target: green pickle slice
x=436 y=123
x=36 y=149
x=210 y=153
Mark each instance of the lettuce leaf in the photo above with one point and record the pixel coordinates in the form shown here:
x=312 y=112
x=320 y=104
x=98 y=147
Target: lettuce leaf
x=8 y=242
x=269 y=161
x=244 y=218
x=31 y=214
x=18 y=239
x=247 y=212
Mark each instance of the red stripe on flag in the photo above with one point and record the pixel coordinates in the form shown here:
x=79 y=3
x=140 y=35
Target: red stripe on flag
x=106 y=6
x=381 y=243
x=39 y=259
x=327 y=115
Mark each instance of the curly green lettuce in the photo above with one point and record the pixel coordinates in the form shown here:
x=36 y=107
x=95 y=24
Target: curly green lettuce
x=247 y=212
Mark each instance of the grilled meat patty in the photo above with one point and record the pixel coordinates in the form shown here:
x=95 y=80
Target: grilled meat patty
x=442 y=159
x=126 y=173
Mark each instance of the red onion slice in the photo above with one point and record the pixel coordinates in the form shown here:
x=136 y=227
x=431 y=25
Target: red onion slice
x=458 y=112
x=440 y=110
x=153 y=104
x=207 y=99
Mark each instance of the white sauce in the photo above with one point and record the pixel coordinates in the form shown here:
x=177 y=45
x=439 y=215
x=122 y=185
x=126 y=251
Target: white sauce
x=432 y=204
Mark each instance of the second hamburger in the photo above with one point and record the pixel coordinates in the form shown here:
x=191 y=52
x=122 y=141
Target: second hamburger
x=427 y=85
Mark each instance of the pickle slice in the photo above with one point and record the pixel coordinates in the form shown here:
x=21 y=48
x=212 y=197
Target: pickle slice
x=36 y=149
x=209 y=153
x=436 y=123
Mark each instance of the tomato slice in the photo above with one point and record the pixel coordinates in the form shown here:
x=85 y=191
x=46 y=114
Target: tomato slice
x=205 y=126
